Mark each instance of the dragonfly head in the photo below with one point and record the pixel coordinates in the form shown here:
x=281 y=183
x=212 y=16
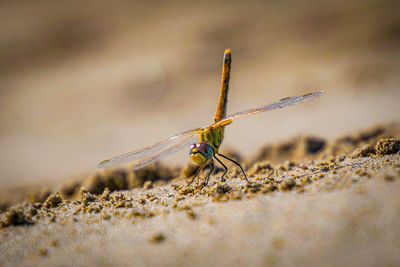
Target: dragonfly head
x=201 y=153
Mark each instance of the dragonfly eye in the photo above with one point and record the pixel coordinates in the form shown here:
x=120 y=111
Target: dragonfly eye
x=201 y=153
x=205 y=149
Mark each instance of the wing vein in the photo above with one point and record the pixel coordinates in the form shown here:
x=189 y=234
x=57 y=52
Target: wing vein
x=143 y=152
x=285 y=102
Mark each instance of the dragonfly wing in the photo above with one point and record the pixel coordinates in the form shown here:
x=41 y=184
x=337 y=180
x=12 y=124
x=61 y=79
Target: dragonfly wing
x=179 y=146
x=284 y=102
x=140 y=154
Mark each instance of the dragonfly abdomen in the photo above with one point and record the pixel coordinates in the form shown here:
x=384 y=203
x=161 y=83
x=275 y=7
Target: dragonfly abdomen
x=223 y=99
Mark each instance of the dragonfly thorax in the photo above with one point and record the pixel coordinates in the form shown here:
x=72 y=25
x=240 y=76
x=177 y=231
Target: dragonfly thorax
x=201 y=153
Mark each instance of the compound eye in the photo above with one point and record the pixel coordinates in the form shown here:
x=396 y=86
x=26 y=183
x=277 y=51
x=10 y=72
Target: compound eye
x=192 y=146
x=205 y=149
x=201 y=153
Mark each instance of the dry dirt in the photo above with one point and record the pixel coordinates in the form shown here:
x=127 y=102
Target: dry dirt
x=334 y=203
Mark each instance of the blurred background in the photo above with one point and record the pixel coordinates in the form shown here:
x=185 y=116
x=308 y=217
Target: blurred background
x=83 y=81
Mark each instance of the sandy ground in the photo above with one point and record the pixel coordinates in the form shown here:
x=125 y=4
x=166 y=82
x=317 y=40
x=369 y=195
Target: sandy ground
x=336 y=210
x=83 y=82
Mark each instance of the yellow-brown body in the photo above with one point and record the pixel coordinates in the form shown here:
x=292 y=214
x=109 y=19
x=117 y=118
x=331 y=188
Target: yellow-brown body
x=223 y=98
x=214 y=135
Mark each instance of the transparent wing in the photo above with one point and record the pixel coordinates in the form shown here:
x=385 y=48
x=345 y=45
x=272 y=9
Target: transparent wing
x=181 y=145
x=147 y=155
x=284 y=102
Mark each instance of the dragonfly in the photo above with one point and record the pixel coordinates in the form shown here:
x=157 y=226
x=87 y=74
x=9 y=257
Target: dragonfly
x=209 y=138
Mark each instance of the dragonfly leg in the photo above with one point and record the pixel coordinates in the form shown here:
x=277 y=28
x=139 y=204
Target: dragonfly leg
x=223 y=165
x=195 y=175
x=245 y=176
x=209 y=174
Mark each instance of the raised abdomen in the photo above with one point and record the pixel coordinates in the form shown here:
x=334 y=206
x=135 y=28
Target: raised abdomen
x=223 y=99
